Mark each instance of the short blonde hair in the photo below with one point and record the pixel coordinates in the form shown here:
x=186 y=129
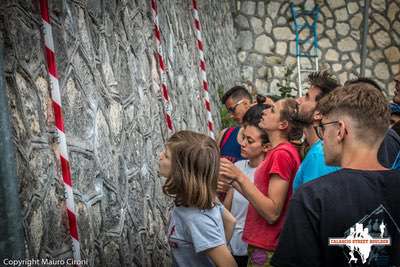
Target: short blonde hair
x=194 y=170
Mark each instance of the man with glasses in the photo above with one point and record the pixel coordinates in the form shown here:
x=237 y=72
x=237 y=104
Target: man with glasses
x=390 y=147
x=364 y=195
x=237 y=101
x=313 y=165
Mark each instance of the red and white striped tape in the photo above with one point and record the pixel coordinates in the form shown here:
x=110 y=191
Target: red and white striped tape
x=159 y=55
x=59 y=122
x=200 y=47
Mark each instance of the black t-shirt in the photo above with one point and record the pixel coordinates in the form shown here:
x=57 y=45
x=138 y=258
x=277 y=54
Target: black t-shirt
x=350 y=204
x=389 y=148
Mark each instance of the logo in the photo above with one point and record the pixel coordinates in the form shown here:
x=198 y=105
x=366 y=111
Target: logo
x=360 y=241
x=367 y=241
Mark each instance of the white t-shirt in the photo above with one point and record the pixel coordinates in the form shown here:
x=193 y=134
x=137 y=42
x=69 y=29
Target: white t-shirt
x=239 y=211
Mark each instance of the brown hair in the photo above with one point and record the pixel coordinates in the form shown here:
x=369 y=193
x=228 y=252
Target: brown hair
x=253 y=117
x=194 y=170
x=324 y=80
x=365 y=104
x=289 y=113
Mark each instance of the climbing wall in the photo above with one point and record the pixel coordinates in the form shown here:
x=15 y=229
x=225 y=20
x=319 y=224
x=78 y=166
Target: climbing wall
x=113 y=118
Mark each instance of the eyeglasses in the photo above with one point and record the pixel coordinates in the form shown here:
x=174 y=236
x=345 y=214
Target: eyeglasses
x=233 y=109
x=320 y=129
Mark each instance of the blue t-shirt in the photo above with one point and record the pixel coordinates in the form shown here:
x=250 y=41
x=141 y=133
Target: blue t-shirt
x=192 y=231
x=230 y=148
x=313 y=166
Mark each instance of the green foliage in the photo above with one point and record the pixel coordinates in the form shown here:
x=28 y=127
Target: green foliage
x=226 y=119
x=284 y=88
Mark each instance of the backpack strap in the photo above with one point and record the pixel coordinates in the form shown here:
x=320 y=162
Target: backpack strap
x=226 y=136
x=396 y=164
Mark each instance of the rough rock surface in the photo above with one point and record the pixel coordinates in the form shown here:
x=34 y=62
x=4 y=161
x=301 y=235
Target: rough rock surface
x=113 y=118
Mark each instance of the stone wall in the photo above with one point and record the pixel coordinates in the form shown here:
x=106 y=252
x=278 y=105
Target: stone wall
x=266 y=40
x=113 y=118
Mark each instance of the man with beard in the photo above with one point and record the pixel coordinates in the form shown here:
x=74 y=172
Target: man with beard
x=362 y=195
x=313 y=165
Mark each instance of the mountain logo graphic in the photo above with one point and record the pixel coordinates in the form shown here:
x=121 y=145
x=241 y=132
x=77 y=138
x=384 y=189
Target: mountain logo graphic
x=367 y=241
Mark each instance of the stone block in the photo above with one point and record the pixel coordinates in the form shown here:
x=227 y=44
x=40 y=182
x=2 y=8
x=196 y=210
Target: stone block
x=376 y=55
x=255 y=59
x=347 y=44
x=382 y=20
x=282 y=21
x=326 y=11
x=244 y=40
x=256 y=25
x=261 y=9
x=393 y=54
x=272 y=9
x=242 y=23
x=261 y=86
x=343 y=28
x=379 y=5
x=396 y=26
x=331 y=55
x=268 y=25
x=324 y=43
x=264 y=44
x=342 y=14
x=381 y=71
x=247 y=73
x=273 y=60
x=353 y=7
x=337 y=67
x=382 y=39
x=283 y=33
x=355 y=21
x=281 y=48
x=242 y=56
x=248 y=7
x=334 y=4
x=348 y=66
x=393 y=10
x=331 y=34
x=329 y=23
x=262 y=72
x=355 y=56
x=279 y=71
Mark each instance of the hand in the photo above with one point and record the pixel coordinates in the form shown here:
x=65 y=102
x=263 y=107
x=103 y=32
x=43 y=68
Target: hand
x=224 y=184
x=229 y=170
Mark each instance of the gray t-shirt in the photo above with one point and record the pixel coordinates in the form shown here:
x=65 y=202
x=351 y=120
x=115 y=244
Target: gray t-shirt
x=192 y=231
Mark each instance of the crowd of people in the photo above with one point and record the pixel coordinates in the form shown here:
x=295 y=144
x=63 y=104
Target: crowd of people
x=312 y=181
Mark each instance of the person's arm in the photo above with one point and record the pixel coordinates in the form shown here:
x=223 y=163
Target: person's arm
x=229 y=224
x=269 y=207
x=221 y=256
x=228 y=199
